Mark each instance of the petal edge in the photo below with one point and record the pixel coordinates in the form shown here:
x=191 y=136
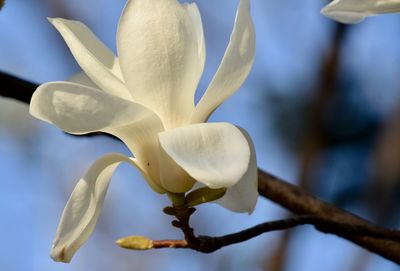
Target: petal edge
x=234 y=68
x=98 y=62
x=82 y=210
x=215 y=154
x=242 y=197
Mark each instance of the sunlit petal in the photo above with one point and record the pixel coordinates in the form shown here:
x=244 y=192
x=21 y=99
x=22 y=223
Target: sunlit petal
x=158 y=51
x=194 y=14
x=98 y=62
x=234 y=68
x=215 y=154
x=242 y=197
x=81 y=78
x=78 y=109
x=173 y=177
x=83 y=208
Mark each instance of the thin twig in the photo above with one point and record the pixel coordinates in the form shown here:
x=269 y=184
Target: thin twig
x=209 y=244
x=170 y=244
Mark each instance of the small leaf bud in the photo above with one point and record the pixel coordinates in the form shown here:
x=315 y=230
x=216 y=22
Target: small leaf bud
x=135 y=243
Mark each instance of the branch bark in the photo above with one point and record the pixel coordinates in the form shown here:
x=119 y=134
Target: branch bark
x=301 y=202
x=16 y=88
x=208 y=244
x=277 y=190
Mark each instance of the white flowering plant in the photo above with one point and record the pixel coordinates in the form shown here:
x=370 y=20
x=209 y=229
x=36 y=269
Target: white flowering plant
x=145 y=97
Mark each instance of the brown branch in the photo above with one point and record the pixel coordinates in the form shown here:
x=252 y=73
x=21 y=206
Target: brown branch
x=287 y=195
x=302 y=203
x=16 y=88
x=323 y=225
x=170 y=244
x=207 y=244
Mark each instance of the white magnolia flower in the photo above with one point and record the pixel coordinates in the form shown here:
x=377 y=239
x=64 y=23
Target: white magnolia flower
x=145 y=97
x=354 y=11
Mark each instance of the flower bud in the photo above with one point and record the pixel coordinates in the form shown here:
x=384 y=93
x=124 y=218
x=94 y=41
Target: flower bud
x=135 y=242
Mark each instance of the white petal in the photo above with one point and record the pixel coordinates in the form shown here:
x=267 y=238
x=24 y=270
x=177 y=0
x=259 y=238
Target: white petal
x=83 y=208
x=172 y=176
x=194 y=14
x=242 y=197
x=234 y=68
x=98 y=62
x=354 y=11
x=78 y=109
x=158 y=50
x=82 y=79
x=215 y=154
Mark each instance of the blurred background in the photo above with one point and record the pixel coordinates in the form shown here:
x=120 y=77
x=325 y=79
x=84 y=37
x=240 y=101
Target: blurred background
x=322 y=105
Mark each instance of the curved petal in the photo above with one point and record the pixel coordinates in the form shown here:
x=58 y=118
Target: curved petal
x=242 y=197
x=354 y=11
x=82 y=79
x=98 y=62
x=158 y=50
x=234 y=68
x=78 y=109
x=172 y=176
x=194 y=13
x=215 y=154
x=82 y=211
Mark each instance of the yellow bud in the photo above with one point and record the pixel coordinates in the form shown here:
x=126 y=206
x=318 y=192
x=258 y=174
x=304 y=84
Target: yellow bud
x=135 y=242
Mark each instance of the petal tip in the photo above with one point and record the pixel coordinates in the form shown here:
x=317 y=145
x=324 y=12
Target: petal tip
x=324 y=10
x=60 y=255
x=251 y=209
x=54 y=20
x=344 y=17
x=341 y=15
